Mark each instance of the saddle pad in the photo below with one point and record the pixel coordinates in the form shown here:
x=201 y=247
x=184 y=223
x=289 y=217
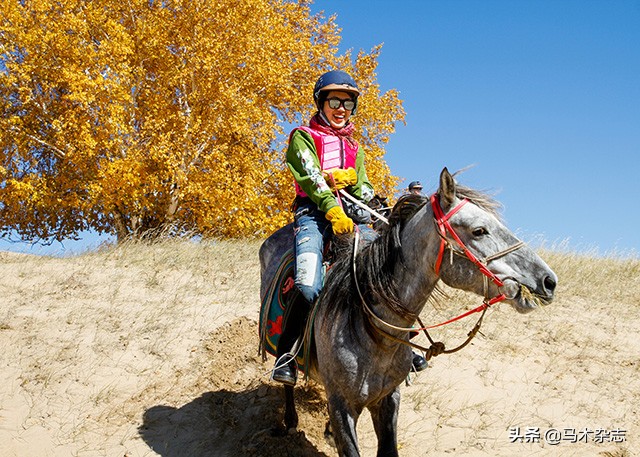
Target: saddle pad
x=273 y=307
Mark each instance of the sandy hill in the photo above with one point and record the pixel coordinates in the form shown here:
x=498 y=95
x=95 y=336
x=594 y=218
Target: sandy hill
x=145 y=350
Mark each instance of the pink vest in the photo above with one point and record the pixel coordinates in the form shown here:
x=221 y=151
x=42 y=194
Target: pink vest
x=332 y=151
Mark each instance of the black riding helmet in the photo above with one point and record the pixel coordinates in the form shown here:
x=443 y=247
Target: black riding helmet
x=335 y=80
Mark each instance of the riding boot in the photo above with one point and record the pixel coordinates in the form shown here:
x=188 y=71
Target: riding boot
x=285 y=370
x=419 y=363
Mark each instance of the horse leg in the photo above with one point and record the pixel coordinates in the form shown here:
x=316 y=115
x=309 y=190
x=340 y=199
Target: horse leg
x=290 y=414
x=384 y=415
x=343 y=420
x=328 y=434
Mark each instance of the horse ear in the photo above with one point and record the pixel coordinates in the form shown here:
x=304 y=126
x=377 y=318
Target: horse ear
x=447 y=190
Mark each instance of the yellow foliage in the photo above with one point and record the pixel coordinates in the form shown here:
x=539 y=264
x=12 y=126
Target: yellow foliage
x=125 y=117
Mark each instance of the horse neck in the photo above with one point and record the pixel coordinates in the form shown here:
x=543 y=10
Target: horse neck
x=417 y=276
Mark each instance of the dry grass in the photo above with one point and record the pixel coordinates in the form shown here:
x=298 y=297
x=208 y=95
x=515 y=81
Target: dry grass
x=151 y=349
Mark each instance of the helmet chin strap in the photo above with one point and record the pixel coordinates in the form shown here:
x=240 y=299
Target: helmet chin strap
x=324 y=117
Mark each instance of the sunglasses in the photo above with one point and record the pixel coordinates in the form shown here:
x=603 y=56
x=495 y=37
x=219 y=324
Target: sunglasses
x=335 y=103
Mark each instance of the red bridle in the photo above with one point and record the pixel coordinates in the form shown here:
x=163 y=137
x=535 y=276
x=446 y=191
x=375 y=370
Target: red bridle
x=444 y=227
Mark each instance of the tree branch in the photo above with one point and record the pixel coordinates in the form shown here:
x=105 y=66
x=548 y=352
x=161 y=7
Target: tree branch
x=59 y=153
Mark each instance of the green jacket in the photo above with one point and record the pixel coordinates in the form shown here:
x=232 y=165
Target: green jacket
x=303 y=161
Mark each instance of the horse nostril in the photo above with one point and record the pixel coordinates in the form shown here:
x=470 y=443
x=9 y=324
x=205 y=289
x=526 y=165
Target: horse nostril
x=549 y=284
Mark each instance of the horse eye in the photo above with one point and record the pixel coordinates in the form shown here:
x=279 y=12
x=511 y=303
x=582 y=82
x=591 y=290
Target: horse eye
x=480 y=231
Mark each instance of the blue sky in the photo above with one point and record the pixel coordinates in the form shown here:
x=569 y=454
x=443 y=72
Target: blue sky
x=543 y=97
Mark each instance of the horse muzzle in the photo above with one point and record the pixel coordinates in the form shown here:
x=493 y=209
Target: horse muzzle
x=525 y=298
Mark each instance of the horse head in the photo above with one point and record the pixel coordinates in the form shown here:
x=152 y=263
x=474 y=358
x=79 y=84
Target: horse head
x=478 y=253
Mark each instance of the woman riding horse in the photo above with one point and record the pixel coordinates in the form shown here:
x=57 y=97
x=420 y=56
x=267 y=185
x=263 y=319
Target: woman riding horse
x=372 y=299
x=323 y=158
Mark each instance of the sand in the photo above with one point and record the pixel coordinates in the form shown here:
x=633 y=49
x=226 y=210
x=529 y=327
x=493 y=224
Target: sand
x=123 y=354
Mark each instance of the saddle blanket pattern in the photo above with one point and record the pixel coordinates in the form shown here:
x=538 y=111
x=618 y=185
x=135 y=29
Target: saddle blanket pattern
x=273 y=310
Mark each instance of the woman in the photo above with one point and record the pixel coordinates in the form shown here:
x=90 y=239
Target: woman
x=323 y=158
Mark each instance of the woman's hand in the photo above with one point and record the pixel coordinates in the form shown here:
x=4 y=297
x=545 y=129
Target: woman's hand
x=341 y=178
x=340 y=222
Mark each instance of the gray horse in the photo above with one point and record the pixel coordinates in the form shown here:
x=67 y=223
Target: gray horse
x=372 y=299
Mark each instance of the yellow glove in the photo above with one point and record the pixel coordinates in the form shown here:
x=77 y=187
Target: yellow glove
x=341 y=178
x=340 y=222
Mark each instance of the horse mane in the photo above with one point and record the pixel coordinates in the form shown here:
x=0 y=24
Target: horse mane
x=481 y=199
x=377 y=261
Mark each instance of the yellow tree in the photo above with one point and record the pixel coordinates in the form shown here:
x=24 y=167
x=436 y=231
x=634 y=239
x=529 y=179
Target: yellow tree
x=137 y=117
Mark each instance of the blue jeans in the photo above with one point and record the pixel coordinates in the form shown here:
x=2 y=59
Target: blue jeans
x=312 y=231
